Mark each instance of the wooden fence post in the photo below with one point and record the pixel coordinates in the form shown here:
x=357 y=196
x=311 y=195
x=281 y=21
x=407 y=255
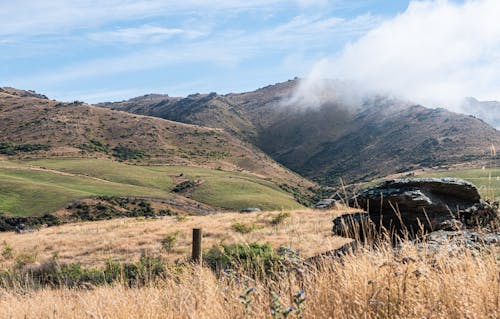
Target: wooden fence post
x=196 y=250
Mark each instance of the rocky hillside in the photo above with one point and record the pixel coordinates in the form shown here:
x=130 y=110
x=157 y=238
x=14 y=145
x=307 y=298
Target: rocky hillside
x=33 y=126
x=358 y=142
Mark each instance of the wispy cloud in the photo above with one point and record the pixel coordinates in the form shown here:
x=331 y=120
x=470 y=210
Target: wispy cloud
x=227 y=48
x=141 y=34
x=71 y=46
x=33 y=17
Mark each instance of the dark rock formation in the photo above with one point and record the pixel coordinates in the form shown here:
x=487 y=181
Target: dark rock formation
x=439 y=213
x=428 y=204
x=357 y=226
x=250 y=210
x=325 y=203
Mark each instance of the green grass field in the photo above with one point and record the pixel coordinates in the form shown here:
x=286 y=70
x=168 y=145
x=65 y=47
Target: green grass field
x=24 y=191
x=27 y=192
x=487 y=180
x=234 y=190
x=110 y=171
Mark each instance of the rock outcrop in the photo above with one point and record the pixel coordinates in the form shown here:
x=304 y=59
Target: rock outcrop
x=442 y=213
x=415 y=204
x=326 y=203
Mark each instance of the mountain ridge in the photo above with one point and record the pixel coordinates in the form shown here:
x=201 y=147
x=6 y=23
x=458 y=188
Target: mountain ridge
x=77 y=129
x=378 y=137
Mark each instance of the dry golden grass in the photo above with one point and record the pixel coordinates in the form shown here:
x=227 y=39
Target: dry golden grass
x=94 y=243
x=373 y=284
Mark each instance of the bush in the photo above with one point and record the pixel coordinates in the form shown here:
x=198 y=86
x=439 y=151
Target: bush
x=278 y=219
x=168 y=242
x=12 y=223
x=256 y=259
x=8 y=252
x=103 y=210
x=243 y=228
x=183 y=186
x=54 y=274
x=13 y=149
x=125 y=153
x=94 y=146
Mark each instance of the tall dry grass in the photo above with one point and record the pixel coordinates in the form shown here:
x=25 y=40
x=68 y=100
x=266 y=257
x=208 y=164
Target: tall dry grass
x=375 y=283
x=93 y=243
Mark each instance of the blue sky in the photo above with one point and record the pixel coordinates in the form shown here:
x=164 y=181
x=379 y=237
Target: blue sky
x=111 y=50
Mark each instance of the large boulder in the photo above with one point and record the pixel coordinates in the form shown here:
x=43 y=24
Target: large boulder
x=326 y=203
x=355 y=225
x=413 y=204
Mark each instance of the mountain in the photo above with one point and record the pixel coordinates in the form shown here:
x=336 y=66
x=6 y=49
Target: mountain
x=489 y=111
x=33 y=126
x=358 y=142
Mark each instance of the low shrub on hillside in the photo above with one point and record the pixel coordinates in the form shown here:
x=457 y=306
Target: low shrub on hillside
x=54 y=274
x=243 y=228
x=13 y=149
x=124 y=153
x=280 y=218
x=254 y=259
x=13 y=223
x=94 y=146
x=168 y=242
x=115 y=207
x=182 y=186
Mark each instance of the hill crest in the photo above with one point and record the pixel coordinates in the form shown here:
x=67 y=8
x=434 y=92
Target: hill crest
x=375 y=138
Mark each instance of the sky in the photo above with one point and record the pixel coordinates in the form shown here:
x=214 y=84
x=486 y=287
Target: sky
x=95 y=50
x=433 y=52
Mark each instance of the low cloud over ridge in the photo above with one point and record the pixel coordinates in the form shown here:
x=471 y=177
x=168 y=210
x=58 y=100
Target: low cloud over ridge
x=435 y=53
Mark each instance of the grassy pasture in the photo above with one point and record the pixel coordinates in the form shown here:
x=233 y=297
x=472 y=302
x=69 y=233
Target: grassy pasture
x=29 y=192
x=487 y=180
x=37 y=187
x=109 y=170
x=233 y=190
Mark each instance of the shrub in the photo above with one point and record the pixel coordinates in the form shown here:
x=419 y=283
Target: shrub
x=125 y=153
x=243 y=228
x=94 y=146
x=54 y=274
x=167 y=212
x=181 y=218
x=256 y=259
x=183 y=186
x=13 y=149
x=25 y=259
x=278 y=219
x=168 y=242
x=7 y=252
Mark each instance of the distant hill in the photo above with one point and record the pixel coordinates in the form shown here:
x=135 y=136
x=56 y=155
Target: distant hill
x=489 y=111
x=375 y=138
x=33 y=126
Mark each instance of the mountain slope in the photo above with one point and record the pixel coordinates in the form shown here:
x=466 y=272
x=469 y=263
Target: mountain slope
x=374 y=138
x=76 y=129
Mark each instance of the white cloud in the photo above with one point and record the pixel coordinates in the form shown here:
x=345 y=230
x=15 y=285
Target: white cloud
x=227 y=48
x=34 y=17
x=436 y=53
x=141 y=34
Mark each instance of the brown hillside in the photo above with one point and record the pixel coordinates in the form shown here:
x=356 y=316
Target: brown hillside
x=374 y=138
x=79 y=130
